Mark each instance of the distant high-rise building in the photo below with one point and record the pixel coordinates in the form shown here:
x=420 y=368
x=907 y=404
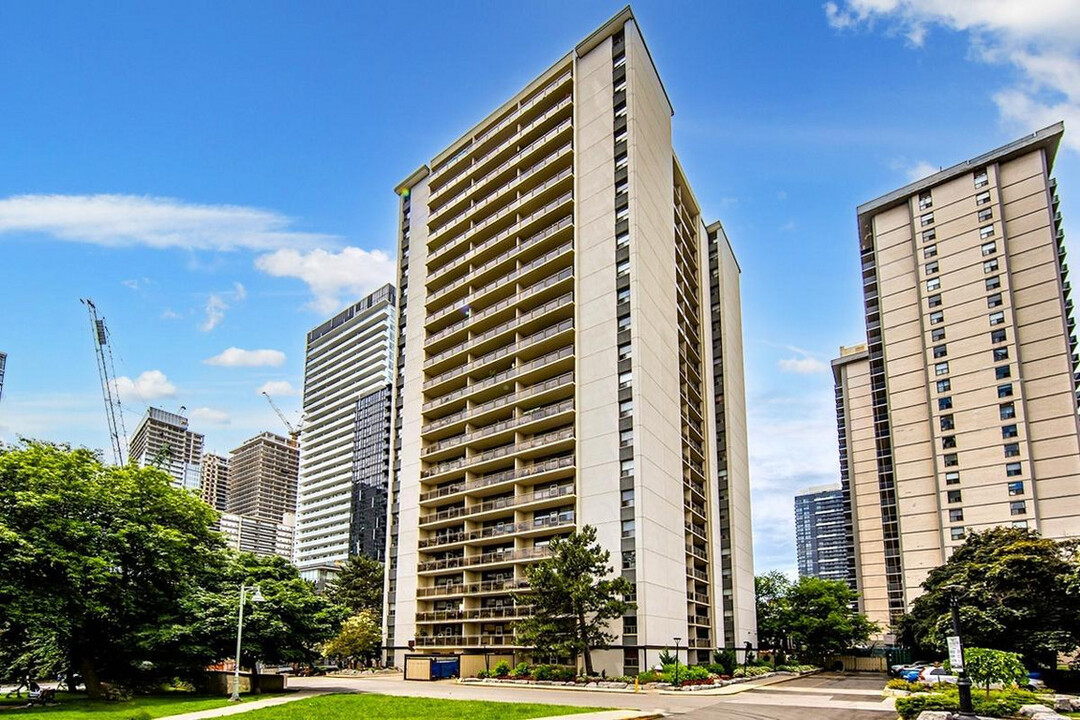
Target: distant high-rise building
x=570 y=354
x=163 y=440
x=964 y=406
x=3 y=364
x=822 y=534
x=263 y=474
x=262 y=537
x=214 y=489
x=343 y=461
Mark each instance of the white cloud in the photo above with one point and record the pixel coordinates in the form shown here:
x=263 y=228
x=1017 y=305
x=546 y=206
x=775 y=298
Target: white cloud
x=1041 y=42
x=920 y=170
x=218 y=303
x=169 y=314
x=210 y=415
x=150 y=385
x=132 y=220
x=238 y=357
x=803 y=362
x=352 y=273
x=277 y=387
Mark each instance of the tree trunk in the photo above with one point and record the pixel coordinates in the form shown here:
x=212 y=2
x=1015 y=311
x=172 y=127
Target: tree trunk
x=90 y=678
x=255 y=689
x=584 y=635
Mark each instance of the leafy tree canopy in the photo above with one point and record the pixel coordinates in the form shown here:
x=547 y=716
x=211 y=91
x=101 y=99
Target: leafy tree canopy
x=359 y=585
x=1017 y=592
x=985 y=667
x=358 y=639
x=771 y=591
x=573 y=599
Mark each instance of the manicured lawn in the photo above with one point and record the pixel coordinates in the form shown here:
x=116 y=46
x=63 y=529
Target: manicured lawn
x=76 y=706
x=390 y=707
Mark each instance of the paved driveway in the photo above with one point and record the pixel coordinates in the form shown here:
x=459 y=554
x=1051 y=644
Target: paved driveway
x=828 y=696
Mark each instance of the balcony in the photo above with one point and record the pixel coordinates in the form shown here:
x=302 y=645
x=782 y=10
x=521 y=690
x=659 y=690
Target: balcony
x=697 y=552
x=474 y=614
x=491 y=558
x=512 y=373
x=525 y=418
x=478 y=410
x=487 y=586
x=466 y=641
x=500 y=504
x=498 y=531
x=520 y=473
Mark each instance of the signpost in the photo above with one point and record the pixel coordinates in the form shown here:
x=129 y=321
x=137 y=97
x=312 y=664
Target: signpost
x=956 y=654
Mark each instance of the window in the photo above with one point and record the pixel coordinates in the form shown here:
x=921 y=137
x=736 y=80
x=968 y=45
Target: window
x=626 y=408
x=947 y=422
x=627 y=529
x=997 y=318
x=1002 y=372
x=926 y=219
x=994 y=301
x=952 y=478
x=626 y=468
x=1012 y=449
x=956 y=515
x=1016 y=487
x=1018 y=507
x=626 y=438
x=622 y=268
x=940 y=351
x=624 y=322
x=1007 y=411
x=629 y=560
x=993 y=283
x=929 y=235
x=622 y=239
x=1012 y=469
x=1005 y=390
x=623 y=296
x=629 y=624
x=944 y=403
x=929 y=251
x=625 y=379
x=628 y=498
x=982 y=198
x=925 y=200
x=1009 y=431
x=948 y=442
x=986 y=231
x=934 y=300
x=951 y=460
x=986 y=214
x=990 y=266
x=933 y=284
x=944 y=385
x=998 y=336
x=981 y=180
x=931 y=267
x=937 y=334
x=956 y=533
x=622 y=214
x=988 y=248
x=936 y=317
x=624 y=351
x=942 y=368
x=1001 y=353
x=953 y=496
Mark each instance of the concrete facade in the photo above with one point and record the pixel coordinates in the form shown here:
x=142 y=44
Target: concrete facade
x=971 y=364
x=214 y=486
x=162 y=439
x=254 y=535
x=560 y=303
x=263 y=473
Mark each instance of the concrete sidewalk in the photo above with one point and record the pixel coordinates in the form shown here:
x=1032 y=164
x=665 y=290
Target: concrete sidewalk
x=247 y=706
x=608 y=715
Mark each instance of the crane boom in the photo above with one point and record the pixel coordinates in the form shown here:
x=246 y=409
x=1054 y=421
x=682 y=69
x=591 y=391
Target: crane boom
x=107 y=373
x=294 y=433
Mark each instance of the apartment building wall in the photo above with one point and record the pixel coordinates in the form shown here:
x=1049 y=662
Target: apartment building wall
x=966 y=287
x=162 y=439
x=263 y=475
x=258 y=536
x=822 y=534
x=214 y=486
x=555 y=324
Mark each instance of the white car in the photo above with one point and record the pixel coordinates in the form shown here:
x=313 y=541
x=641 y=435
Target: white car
x=936 y=675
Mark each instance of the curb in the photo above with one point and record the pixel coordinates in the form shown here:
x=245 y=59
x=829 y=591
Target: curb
x=571 y=688
x=737 y=688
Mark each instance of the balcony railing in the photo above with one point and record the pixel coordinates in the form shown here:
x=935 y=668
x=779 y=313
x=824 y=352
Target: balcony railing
x=499 y=504
x=497 y=531
x=561 y=380
x=498 y=378
x=472 y=588
x=524 y=419
x=500 y=477
x=499 y=613
x=500 y=556
x=465 y=640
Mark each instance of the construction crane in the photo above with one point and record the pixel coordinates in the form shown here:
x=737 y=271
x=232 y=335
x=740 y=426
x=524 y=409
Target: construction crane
x=107 y=372
x=294 y=432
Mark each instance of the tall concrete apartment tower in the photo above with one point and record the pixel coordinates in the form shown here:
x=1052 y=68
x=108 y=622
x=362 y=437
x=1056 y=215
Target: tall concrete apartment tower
x=569 y=353
x=263 y=474
x=214 y=488
x=162 y=439
x=823 y=534
x=964 y=409
x=3 y=365
x=344 y=445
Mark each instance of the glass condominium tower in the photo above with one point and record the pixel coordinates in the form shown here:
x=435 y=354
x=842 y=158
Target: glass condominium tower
x=569 y=353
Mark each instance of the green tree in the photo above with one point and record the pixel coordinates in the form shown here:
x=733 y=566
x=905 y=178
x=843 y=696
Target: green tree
x=985 y=666
x=93 y=561
x=1017 y=592
x=359 y=585
x=358 y=639
x=821 y=618
x=573 y=599
x=771 y=590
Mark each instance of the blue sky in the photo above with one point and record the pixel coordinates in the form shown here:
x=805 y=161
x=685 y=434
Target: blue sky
x=218 y=178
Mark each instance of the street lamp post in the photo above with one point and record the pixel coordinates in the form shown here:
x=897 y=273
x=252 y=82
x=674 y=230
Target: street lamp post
x=963 y=682
x=256 y=596
x=677 y=661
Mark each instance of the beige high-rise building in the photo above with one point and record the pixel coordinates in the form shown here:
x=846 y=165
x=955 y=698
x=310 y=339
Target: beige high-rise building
x=214 y=488
x=263 y=475
x=569 y=353
x=961 y=413
x=162 y=439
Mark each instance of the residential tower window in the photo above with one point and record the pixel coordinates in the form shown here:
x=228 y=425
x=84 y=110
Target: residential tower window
x=993 y=283
x=942 y=368
x=1005 y=390
x=940 y=351
x=925 y=200
x=1007 y=411
x=989 y=248
x=981 y=179
x=986 y=214
x=1009 y=431
x=926 y=219
x=956 y=515
x=1002 y=372
x=990 y=266
x=994 y=301
x=1013 y=469
x=1016 y=487
x=937 y=334
x=953 y=496
x=934 y=301
x=933 y=284
x=1012 y=449
x=956 y=533
x=938 y=316
x=997 y=318
x=944 y=385
x=929 y=251
x=952 y=478
x=1000 y=354
x=931 y=267
x=1018 y=507
x=944 y=403
x=982 y=198
x=951 y=460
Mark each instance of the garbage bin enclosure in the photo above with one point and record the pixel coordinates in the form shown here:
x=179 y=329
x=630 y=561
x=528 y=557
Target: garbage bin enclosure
x=431 y=667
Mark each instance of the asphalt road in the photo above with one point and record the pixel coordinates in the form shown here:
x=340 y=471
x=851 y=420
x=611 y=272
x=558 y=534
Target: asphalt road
x=827 y=696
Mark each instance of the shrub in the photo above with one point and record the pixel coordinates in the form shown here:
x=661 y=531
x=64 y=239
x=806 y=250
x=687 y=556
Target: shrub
x=902 y=684
x=686 y=672
x=502 y=669
x=1000 y=704
x=542 y=672
x=648 y=676
x=483 y=674
x=666 y=657
x=726 y=660
x=521 y=671
x=751 y=671
x=563 y=673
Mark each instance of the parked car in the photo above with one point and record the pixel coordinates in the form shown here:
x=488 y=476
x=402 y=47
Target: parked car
x=1035 y=682
x=936 y=675
x=895 y=670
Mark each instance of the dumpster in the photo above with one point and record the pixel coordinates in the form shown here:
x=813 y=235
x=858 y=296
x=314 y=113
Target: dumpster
x=431 y=667
x=443 y=668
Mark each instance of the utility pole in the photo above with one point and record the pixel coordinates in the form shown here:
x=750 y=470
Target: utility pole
x=107 y=373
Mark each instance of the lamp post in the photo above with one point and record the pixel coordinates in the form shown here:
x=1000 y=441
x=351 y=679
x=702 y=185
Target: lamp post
x=963 y=682
x=256 y=596
x=677 y=661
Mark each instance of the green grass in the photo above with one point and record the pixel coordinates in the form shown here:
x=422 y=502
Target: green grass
x=388 y=707
x=76 y=706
